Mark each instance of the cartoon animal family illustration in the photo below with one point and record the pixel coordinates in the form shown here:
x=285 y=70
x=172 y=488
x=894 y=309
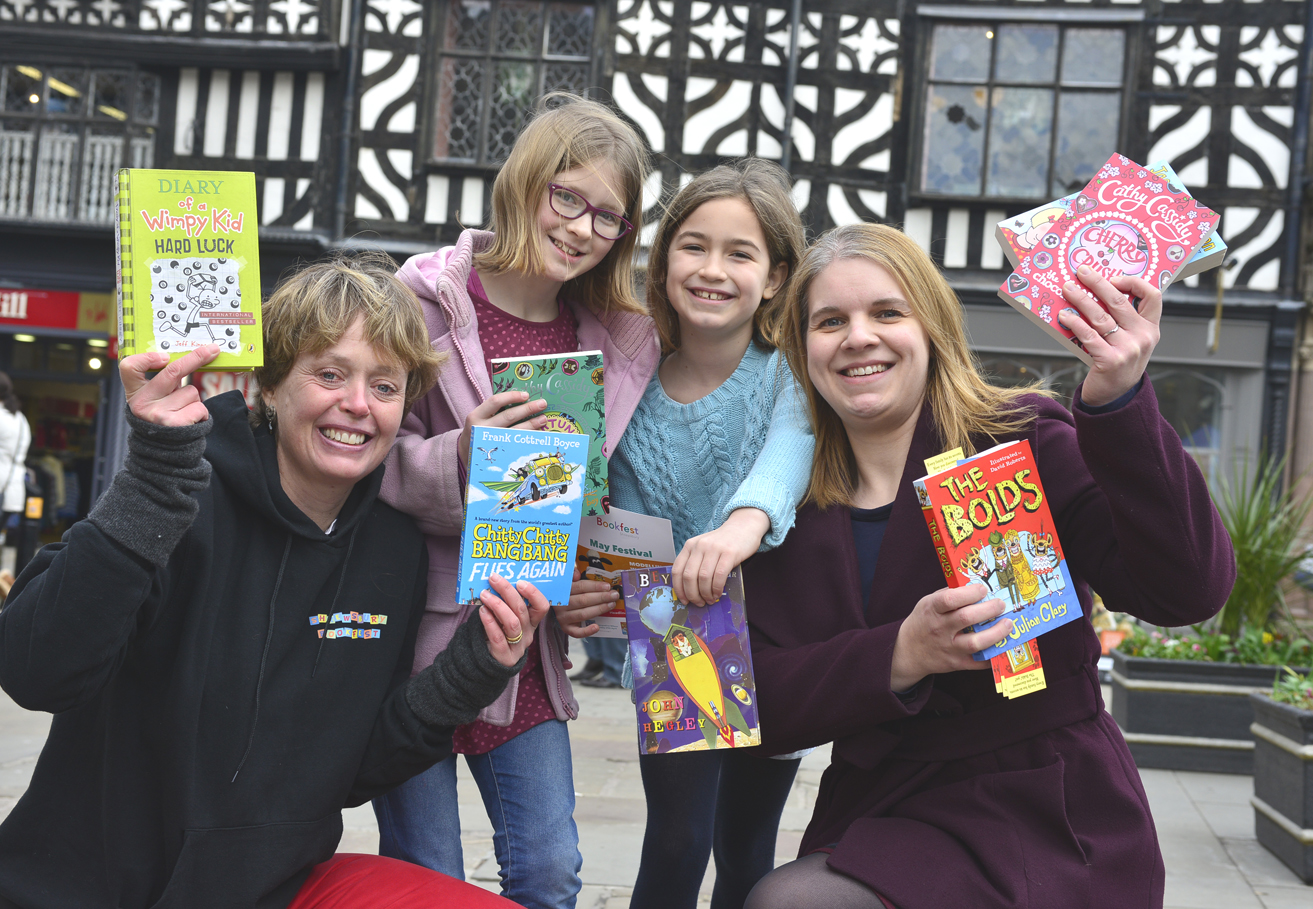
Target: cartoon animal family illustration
x=1018 y=566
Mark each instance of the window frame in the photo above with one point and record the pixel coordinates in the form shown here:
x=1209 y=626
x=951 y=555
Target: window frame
x=438 y=53
x=130 y=129
x=992 y=17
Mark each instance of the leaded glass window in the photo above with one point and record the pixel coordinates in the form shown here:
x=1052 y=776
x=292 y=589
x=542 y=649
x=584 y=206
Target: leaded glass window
x=64 y=133
x=496 y=58
x=1021 y=110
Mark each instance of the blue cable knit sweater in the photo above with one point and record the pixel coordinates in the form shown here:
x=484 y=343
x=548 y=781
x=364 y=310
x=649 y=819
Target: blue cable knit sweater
x=747 y=444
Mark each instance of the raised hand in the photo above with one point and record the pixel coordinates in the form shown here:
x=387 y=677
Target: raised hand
x=937 y=636
x=508 y=620
x=163 y=399
x=1120 y=338
x=525 y=415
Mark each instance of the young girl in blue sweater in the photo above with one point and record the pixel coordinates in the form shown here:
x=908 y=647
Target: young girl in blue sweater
x=720 y=446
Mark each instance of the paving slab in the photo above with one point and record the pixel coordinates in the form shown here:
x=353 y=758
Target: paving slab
x=1204 y=820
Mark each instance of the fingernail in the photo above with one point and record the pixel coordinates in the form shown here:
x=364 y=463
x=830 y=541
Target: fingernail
x=1071 y=286
x=1084 y=271
x=1069 y=311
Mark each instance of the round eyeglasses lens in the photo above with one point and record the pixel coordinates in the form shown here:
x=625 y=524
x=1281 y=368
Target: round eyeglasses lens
x=567 y=203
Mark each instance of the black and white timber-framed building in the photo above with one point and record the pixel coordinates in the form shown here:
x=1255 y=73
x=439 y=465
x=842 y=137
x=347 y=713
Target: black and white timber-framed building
x=383 y=121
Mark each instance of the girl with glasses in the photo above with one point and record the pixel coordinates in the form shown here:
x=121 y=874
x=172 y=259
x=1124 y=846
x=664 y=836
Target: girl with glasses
x=553 y=275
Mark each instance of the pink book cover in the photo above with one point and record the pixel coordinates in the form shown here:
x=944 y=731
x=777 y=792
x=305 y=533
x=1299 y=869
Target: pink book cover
x=1127 y=220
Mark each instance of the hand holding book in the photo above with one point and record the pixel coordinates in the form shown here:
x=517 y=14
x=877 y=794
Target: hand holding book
x=508 y=620
x=937 y=636
x=520 y=413
x=1120 y=338
x=163 y=399
x=700 y=569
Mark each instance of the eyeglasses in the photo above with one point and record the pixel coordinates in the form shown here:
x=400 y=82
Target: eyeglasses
x=570 y=205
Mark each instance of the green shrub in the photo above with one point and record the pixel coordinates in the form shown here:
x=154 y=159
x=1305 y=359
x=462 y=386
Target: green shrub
x=1294 y=689
x=1252 y=645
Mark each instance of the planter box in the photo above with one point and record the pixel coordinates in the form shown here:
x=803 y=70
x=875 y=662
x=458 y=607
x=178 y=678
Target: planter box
x=1283 y=783
x=1187 y=715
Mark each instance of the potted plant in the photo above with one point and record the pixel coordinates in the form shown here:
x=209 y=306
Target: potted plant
x=1182 y=699
x=1283 y=771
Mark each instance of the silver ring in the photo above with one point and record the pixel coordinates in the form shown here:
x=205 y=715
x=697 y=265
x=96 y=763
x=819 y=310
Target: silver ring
x=1115 y=328
x=515 y=640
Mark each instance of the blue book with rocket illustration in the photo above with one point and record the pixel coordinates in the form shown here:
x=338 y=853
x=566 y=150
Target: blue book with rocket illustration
x=523 y=503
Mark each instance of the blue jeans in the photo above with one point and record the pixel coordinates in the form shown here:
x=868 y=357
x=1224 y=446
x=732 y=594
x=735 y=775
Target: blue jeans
x=611 y=651
x=527 y=786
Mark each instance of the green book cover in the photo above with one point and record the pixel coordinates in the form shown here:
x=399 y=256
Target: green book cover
x=188 y=258
x=571 y=384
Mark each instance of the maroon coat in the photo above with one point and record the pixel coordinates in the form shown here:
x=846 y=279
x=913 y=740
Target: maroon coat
x=962 y=797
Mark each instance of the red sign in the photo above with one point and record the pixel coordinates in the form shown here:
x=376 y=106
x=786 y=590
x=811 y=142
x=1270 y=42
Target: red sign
x=39 y=308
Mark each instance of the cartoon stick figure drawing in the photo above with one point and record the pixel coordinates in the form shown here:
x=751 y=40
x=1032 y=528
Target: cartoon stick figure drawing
x=202 y=293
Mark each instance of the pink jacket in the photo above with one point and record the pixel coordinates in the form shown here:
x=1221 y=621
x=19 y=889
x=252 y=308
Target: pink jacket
x=422 y=477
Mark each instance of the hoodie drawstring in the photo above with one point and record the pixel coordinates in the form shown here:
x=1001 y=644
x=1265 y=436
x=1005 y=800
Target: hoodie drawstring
x=264 y=656
x=351 y=543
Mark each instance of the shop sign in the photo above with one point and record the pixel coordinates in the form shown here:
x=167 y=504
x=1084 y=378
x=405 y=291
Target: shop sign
x=58 y=309
x=216 y=383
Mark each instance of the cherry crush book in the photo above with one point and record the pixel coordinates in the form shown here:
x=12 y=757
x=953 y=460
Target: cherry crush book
x=1128 y=220
x=1020 y=235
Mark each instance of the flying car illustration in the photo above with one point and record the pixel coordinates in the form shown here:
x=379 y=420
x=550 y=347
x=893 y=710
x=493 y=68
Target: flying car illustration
x=542 y=477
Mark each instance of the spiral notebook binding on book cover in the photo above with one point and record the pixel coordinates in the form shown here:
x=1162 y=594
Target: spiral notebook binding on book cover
x=123 y=241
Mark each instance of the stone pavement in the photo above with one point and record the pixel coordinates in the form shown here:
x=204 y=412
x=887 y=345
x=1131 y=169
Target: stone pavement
x=1205 y=824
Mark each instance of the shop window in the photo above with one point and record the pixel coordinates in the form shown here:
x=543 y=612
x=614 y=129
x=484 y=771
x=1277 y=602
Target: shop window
x=1192 y=400
x=496 y=58
x=1019 y=110
x=64 y=133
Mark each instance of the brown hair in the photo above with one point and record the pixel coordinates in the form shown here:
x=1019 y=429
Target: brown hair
x=310 y=311
x=965 y=406
x=764 y=186
x=569 y=132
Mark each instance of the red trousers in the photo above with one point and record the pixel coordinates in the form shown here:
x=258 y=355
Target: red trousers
x=350 y=881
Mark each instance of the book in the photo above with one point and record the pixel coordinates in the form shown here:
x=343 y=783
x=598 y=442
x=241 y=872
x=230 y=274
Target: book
x=990 y=522
x=187 y=256
x=616 y=542
x=1127 y=220
x=693 y=684
x=522 y=510
x=1019 y=235
x=571 y=384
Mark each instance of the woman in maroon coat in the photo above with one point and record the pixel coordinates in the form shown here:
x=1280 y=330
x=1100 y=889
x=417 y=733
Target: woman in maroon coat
x=941 y=792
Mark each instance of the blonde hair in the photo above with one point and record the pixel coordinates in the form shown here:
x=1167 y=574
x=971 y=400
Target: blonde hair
x=965 y=406
x=311 y=311
x=568 y=132
x=764 y=186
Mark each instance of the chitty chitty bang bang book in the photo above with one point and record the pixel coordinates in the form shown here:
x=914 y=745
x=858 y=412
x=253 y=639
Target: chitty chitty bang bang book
x=1128 y=220
x=188 y=265
x=522 y=509
x=693 y=684
x=989 y=522
x=571 y=384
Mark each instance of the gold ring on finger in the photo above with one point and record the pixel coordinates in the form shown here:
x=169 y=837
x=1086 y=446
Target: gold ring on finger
x=515 y=640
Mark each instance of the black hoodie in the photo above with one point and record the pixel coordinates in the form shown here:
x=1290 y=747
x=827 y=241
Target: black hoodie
x=219 y=697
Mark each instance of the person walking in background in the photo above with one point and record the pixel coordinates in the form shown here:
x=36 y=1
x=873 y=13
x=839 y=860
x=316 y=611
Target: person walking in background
x=15 y=437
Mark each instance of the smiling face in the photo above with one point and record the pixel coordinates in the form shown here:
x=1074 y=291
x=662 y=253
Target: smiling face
x=719 y=271
x=867 y=353
x=338 y=412
x=570 y=247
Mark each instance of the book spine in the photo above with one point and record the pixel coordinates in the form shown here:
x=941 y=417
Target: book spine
x=940 y=549
x=123 y=251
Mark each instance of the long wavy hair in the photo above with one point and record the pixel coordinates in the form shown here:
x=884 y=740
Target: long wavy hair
x=966 y=408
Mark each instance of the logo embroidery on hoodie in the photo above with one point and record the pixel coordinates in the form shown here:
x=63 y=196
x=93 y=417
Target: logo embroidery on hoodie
x=361 y=618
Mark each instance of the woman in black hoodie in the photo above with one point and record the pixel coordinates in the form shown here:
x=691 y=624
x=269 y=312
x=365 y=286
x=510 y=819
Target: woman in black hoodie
x=226 y=641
